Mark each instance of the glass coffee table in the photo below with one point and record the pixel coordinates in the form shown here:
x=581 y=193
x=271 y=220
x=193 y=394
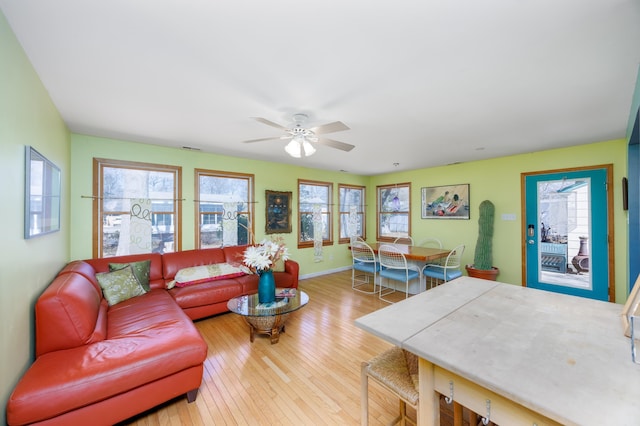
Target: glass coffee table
x=267 y=318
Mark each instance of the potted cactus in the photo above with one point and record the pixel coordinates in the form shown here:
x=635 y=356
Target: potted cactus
x=483 y=257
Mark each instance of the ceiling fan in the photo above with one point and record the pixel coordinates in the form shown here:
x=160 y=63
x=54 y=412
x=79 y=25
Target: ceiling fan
x=302 y=138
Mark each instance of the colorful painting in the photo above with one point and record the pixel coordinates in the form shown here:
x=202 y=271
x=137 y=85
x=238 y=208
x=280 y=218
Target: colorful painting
x=278 y=212
x=445 y=202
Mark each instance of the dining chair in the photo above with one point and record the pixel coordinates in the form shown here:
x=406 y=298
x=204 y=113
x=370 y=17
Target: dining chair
x=447 y=270
x=364 y=272
x=394 y=267
x=408 y=241
x=430 y=242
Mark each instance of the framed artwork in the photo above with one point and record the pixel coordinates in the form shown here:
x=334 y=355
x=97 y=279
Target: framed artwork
x=630 y=307
x=278 y=211
x=445 y=202
x=42 y=195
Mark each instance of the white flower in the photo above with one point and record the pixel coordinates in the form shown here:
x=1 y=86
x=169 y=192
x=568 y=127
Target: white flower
x=263 y=256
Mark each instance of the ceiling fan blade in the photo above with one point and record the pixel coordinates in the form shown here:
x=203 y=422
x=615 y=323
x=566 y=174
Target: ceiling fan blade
x=335 y=144
x=266 y=139
x=336 y=126
x=269 y=123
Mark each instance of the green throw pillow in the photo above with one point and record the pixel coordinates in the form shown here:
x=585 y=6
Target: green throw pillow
x=141 y=270
x=119 y=285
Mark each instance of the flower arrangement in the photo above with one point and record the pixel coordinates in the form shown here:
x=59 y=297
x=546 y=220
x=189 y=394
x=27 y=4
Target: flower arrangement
x=263 y=257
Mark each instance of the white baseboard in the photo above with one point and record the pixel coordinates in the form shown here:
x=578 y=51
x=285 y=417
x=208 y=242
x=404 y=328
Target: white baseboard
x=327 y=272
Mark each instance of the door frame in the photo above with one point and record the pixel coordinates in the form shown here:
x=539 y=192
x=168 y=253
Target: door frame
x=610 y=224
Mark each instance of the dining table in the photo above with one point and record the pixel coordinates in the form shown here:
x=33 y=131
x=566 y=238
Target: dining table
x=417 y=257
x=415 y=253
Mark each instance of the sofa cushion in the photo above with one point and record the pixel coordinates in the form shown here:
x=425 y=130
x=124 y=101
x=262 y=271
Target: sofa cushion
x=204 y=273
x=119 y=285
x=67 y=314
x=84 y=269
x=207 y=293
x=173 y=262
x=140 y=269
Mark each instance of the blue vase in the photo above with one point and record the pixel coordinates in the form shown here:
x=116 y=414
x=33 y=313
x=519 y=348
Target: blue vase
x=266 y=287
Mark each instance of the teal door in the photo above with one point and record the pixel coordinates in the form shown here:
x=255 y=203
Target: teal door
x=566 y=232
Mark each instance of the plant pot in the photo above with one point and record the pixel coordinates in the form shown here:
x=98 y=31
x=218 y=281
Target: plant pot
x=485 y=274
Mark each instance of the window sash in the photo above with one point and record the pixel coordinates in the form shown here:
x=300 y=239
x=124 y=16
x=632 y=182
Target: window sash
x=214 y=189
x=311 y=193
x=116 y=184
x=349 y=195
x=394 y=216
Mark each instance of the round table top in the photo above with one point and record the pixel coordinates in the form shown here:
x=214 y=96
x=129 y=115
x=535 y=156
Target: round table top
x=248 y=305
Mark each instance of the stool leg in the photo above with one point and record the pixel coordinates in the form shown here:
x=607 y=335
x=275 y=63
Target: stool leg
x=364 y=394
x=403 y=413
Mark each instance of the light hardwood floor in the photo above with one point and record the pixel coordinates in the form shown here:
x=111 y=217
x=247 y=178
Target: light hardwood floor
x=311 y=377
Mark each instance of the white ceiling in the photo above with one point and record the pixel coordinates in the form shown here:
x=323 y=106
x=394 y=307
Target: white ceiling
x=419 y=82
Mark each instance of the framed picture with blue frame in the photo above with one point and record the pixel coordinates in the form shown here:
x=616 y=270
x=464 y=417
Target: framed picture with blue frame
x=445 y=202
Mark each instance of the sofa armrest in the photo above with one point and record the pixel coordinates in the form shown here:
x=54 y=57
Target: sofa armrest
x=293 y=268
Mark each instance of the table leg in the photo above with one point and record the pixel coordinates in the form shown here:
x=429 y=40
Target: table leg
x=429 y=403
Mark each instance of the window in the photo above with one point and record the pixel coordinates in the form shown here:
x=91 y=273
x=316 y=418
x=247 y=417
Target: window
x=352 y=212
x=394 y=211
x=136 y=209
x=224 y=209
x=314 y=212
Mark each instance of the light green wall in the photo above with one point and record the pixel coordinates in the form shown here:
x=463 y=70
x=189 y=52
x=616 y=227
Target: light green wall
x=271 y=176
x=27 y=117
x=499 y=180
x=496 y=179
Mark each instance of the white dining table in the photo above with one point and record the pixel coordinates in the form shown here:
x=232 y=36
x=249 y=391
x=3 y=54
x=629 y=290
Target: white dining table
x=515 y=355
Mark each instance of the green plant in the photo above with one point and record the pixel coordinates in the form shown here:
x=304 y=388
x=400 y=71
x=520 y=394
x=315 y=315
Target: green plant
x=483 y=257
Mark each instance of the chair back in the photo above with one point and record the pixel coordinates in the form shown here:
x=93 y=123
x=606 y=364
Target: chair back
x=408 y=241
x=431 y=242
x=362 y=252
x=391 y=257
x=454 y=258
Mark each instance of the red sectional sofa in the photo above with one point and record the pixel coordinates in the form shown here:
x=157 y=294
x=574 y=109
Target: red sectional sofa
x=101 y=364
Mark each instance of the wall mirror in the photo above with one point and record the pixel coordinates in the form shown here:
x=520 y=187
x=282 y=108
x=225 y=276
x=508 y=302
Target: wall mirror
x=42 y=195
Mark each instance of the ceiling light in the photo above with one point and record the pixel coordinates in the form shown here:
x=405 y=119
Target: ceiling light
x=308 y=148
x=293 y=149
x=298 y=145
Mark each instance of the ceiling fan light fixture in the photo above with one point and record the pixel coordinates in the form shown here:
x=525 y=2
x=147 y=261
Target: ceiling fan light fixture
x=299 y=145
x=308 y=148
x=294 y=149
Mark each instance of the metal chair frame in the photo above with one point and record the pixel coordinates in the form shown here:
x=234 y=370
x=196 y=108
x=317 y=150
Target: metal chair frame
x=394 y=267
x=365 y=266
x=430 y=242
x=446 y=271
x=408 y=241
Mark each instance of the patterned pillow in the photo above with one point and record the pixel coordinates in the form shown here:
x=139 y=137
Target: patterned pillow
x=141 y=270
x=204 y=273
x=119 y=285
